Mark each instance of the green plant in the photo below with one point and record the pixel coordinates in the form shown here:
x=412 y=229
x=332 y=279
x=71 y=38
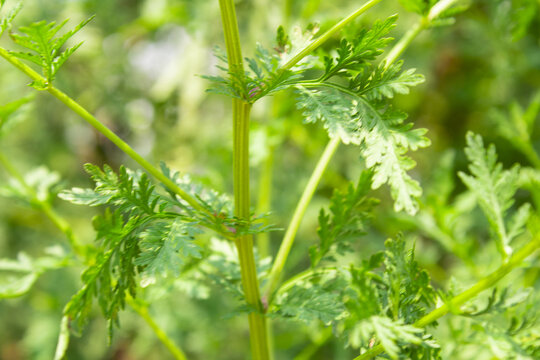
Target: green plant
x=182 y=229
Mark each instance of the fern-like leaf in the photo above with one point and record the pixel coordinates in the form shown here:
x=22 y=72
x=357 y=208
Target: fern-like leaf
x=331 y=108
x=5 y=21
x=494 y=189
x=349 y=212
x=368 y=44
x=164 y=247
x=384 y=82
x=44 y=48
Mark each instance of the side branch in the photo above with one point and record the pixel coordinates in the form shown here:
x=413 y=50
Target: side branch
x=121 y=144
x=484 y=284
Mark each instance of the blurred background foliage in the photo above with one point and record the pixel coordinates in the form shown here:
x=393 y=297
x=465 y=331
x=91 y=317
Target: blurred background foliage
x=139 y=72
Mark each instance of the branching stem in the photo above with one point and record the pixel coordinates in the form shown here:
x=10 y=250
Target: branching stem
x=315 y=178
x=483 y=284
x=328 y=34
x=44 y=207
x=63 y=225
x=241 y=111
x=122 y=145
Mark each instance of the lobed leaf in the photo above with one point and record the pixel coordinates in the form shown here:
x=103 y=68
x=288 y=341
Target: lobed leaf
x=9 y=112
x=384 y=82
x=164 y=247
x=390 y=333
x=312 y=301
x=5 y=21
x=494 y=189
x=367 y=45
x=332 y=109
x=349 y=212
x=17 y=276
x=45 y=48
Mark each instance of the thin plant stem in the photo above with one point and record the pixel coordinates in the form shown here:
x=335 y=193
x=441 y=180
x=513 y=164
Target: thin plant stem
x=63 y=225
x=44 y=206
x=483 y=284
x=328 y=34
x=298 y=214
x=264 y=201
x=142 y=310
x=405 y=41
x=392 y=56
x=241 y=111
x=122 y=145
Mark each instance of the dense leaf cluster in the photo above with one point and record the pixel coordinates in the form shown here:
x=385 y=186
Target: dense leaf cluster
x=357 y=113
x=143 y=235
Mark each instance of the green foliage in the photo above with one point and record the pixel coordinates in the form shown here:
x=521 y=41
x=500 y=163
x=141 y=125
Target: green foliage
x=384 y=304
x=17 y=276
x=421 y=7
x=5 y=21
x=517 y=126
x=45 y=48
x=311 y=301
x=40 y=185
x=380 y=299
x=164 y=246
x=494 y=189
x=359 y=115
x=9 y=111
x=263 y=78
x=391 y=333
x=177 y=249
x=385 y=81
x=333 y=109
x=367 y=45
x=521 y=15
x=142 y=237
x=349 y=212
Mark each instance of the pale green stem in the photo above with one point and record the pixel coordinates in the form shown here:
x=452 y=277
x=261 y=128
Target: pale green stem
x=142 y=310
x=404 y=42
x=241 y=111
x=392 y=56
x=298 y=214
x=483 y=284
x=328 y=34
x=122 y=145
x=44 y=206
x=74 y=242
x=264 y=201
x=306 y=274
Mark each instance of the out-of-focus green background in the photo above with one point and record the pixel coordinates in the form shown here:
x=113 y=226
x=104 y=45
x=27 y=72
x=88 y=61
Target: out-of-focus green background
x=139 y=71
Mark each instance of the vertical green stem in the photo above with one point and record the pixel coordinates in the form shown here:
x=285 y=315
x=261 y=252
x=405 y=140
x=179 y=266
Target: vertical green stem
x=244 y=244
x=142 y=310
x=264 y=200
